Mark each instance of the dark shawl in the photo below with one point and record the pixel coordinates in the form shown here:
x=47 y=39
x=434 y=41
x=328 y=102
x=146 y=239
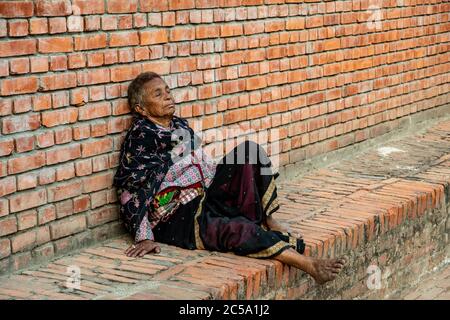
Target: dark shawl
x=144 y=161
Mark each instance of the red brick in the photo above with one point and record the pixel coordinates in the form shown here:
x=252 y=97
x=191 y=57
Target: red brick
x=24 y=241
x=273 y=26
x=183 y=65
x=98 y=199
x=81 y=132
x=124 y=73
x=181 y=4
x=4 y=71
x=4 y=207
x=76 y=60
x=89 y=42
x=5 y=248
x=22 y=104
x=234 y=116
x=99 y=129
x=46 y=176
x=7 y=186
x=27 y=200
x=55 y=45
x=209 y=31
x=230 y=30
x=92 y=23
x=161 y=67
x=58 y=81
x=44 y=252
x=120 y=6
x=83 y=167
x=256 y=83
x=58 y=117
x=17 y=47
x=26 y=163
x=18 y=86
x=46 y=214
x=26 y=181
x=88 y=7
x=94 y=110
x=231 y=58
x=10 y=9
x=153 y=37
x=65 y=172
x=39 y=64
x=3 y=168
x=64 y=191
x=295 y=23
x=8 y=225
x=153 y=5
x=253 y=28
x=81 y=203
x=27 y=219
x=95 y=59
x=122 y=39
x=46 y=139
x=18 y=28
x=97 y=182
x=67 y=226
x=50 y=8
x=58 y=63
x=62 y=154
x=313 y=22
x=257 y=111
x=93 y=76
x=57 y=25
x=6 y=147
x=38 y=26
x=182 y=34
x=102 y=216
x=19 y=66
x=96 y=147
x=64 y=208
x=100 y=163
x=24 y=143
x=75 y=23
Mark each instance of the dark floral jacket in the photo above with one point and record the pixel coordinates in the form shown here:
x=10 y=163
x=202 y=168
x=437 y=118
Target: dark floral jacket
x=145 y=158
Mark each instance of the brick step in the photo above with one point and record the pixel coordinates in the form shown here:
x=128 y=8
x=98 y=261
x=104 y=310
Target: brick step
x=385 y=207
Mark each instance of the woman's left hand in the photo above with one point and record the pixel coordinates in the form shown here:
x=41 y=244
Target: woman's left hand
x=142 y=248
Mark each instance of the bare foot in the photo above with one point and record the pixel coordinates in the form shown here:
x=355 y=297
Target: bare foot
x=324 y=270
x=277 y=226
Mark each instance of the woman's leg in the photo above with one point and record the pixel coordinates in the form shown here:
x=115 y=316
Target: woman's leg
x=322 y=270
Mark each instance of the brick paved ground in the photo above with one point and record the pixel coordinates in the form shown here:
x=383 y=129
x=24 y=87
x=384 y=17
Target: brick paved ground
x=337 y=209
x=433 y=287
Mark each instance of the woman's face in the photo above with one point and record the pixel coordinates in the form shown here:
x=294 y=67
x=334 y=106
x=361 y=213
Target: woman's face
x=157 y=101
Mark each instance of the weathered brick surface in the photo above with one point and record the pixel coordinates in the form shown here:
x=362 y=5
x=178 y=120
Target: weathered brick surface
x=314 y=72
x=386 y=207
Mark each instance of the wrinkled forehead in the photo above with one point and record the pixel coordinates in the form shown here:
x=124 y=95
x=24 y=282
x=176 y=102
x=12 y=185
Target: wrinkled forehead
x=154 y=84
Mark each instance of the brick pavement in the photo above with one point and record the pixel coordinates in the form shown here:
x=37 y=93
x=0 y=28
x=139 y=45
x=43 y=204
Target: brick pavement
x=337 y=209
x=433 y=287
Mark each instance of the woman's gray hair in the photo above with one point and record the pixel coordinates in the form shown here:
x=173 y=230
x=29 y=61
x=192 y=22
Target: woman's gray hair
x=135 y=89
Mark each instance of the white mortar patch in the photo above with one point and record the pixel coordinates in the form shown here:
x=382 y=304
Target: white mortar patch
x=405 y=167
x=385 y=151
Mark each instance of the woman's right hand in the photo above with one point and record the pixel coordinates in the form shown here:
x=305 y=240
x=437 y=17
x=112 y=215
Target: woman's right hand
x=142 y=248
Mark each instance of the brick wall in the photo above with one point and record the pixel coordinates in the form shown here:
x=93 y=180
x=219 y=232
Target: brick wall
x=319 y=75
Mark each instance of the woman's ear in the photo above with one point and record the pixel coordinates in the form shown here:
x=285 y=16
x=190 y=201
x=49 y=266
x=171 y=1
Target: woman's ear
x=139 y=109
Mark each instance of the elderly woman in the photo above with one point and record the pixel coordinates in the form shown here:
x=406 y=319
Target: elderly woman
x=171 y=192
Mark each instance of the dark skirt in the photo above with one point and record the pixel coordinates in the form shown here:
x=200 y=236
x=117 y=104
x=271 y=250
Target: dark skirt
x=231 y=215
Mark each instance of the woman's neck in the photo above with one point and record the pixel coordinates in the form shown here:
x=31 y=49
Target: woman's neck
x=164 y=122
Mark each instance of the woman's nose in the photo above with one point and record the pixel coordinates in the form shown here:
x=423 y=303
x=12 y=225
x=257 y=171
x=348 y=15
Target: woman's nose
x=168 y=97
